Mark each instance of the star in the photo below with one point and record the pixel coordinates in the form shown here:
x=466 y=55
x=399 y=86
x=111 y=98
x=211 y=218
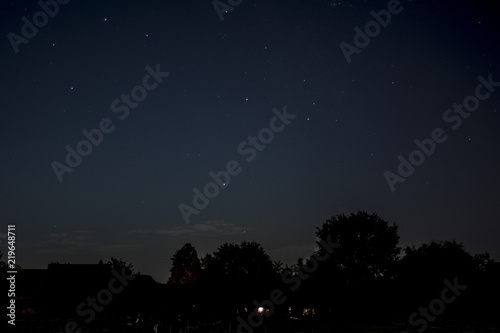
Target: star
x=105 y=19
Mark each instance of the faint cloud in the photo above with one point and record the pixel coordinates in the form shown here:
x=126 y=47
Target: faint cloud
x=57 y=235
x=116 y=248
x=211 y=227
x=74 y=240
x=78 y=241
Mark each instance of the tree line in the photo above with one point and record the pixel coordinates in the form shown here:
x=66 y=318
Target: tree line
x=358 y=274
x=366 y=277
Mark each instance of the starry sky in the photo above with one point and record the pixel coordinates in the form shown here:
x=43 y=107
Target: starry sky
x=348 y=123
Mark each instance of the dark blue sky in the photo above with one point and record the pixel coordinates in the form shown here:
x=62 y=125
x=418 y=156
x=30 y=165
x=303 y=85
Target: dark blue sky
x=352 y=122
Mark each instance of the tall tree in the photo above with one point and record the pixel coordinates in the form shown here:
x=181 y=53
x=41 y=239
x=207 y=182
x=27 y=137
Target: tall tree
x=186 y=266
x=368 y=246
x=423 y=270
x=237 y=274
x=355 y=275
x=240 y=262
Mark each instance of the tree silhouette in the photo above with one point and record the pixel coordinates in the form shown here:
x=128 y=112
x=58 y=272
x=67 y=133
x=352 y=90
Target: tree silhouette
x=119 y=265
x=444 y=259
x=244 y=263
x=237 y=274
x=352 y=278
x=186 y=266
x=368 y=246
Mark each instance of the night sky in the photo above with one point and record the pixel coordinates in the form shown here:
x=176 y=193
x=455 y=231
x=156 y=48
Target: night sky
x=348 y=123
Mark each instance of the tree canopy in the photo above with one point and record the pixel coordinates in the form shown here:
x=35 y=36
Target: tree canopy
x=186 y=266
x=368 y=246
